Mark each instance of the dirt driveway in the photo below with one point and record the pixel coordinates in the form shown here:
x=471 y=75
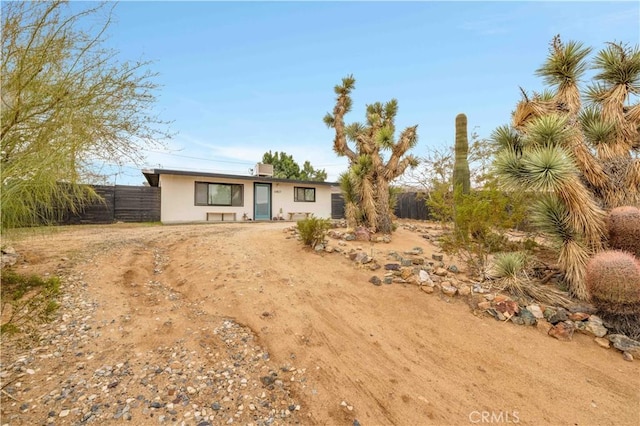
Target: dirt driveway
x=344 y=351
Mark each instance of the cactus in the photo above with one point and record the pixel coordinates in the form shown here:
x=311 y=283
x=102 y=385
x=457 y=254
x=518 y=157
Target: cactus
x=624 y=229
x=461 y=175
x=613 y=282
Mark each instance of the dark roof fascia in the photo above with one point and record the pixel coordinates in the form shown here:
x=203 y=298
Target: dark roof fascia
x=153 y=177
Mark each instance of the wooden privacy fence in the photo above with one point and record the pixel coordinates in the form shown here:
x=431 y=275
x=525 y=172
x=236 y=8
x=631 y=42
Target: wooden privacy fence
x=410 y=205
x=121 y=203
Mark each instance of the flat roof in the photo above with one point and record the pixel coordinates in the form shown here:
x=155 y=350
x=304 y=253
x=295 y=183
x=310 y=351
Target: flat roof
x=153 y=177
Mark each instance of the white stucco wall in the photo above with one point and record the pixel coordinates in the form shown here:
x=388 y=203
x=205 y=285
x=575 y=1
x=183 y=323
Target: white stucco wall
x=178 y=199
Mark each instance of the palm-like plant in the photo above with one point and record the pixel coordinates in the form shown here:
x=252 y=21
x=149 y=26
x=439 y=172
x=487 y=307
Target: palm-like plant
x=369 y=176
x=580 y=151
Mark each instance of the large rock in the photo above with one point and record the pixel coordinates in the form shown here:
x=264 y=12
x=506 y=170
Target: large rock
x=507 y=307
x=448 y=290
x=536 y=311
x=625 y=344
x=362 y=234
x=425 y=278
x=9 y=257
x=441 y=272
x=527 y=317
x=375 y=280
x=562 y=331
x=592 y=327
x=406 y=273
x=464 y=290
x=555 y=315
x=362 y=257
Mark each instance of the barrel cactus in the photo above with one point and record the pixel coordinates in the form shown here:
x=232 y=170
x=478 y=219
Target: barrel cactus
x=624 y=229
x=613 y=283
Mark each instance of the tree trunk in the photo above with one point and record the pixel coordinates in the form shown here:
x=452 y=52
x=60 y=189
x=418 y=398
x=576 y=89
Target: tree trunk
x=384 y=224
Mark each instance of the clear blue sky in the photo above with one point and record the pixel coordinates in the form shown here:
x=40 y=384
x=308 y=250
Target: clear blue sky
x=242 y=78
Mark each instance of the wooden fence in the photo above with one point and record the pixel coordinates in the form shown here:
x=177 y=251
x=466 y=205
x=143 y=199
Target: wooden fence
x=410 y=205
x=121 y=203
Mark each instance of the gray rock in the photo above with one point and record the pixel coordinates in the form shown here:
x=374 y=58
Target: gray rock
x=375 y=280
x=406 y=262
x=527 y=317
x=625 y=344
x=437 y=257
x=536 y=311
x=453 y=268
x=362 y=257
x=392 y=267
x=592 y=327
x=555 y=315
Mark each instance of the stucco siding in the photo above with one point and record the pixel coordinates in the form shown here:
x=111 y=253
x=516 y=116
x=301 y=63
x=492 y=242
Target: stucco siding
x=178 y=200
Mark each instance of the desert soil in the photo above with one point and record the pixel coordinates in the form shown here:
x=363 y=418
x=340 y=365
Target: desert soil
x=238 y=323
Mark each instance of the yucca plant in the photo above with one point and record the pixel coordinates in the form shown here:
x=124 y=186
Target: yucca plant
x=510 y=271
x=578 y=150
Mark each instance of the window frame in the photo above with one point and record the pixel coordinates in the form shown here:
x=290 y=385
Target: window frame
x=238 y=186
x=305 y=189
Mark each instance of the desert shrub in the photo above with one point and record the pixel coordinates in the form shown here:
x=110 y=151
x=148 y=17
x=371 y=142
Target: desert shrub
x=312 y=230
x=613 y=283
x=27 y=300
x=440 y=203
x=481 y=219
x=624 y=229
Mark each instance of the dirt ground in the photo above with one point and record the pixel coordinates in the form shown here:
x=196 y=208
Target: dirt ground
x=393 y=354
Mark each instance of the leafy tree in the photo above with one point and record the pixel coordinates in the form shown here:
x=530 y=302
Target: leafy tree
x=366 y=184
x=309 y=173
x=579 y=151
x=285 y=167
x=68 y=106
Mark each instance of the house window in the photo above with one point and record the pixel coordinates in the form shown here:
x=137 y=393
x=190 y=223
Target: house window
x=219 y=194
x=304 y=194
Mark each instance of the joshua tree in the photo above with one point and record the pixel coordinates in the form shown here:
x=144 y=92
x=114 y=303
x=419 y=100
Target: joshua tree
x=582 y=158
x=366 y=184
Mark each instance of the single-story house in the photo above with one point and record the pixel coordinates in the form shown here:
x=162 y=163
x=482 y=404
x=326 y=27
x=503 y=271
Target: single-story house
x=189 y=196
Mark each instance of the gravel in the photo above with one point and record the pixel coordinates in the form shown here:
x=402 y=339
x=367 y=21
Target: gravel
x=61 y=379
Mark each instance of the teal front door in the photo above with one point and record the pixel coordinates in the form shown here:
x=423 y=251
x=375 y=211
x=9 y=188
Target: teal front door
x=261 y=201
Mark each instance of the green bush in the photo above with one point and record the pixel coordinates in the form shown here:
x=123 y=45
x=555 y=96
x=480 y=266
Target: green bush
x=624 y=229
x=30 y=299
x=313 y=230
x=481 y=219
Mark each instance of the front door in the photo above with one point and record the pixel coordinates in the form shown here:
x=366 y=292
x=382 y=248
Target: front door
x=262 y=201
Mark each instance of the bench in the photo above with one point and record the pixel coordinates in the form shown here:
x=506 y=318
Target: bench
x=221 y=216
x=306 y=214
